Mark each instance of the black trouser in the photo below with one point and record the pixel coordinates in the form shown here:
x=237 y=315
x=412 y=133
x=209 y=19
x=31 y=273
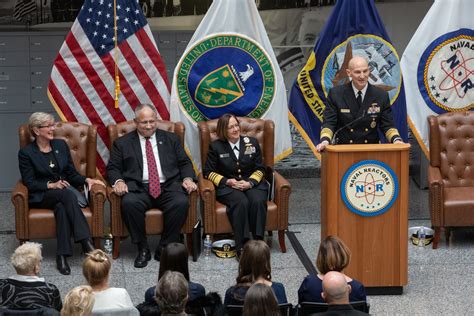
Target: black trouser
x=247 y=211
x=70 y=220
x=173 y=204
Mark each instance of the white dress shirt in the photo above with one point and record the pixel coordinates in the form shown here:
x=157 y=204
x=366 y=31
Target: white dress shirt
x=237 y=144
x=356 y=91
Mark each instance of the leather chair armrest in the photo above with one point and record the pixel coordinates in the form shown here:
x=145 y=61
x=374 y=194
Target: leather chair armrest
x=192 y=213
x=434 y=176
x=282 y=199
x=207 y=192
x=436 y=196
x=20 y=201
x=97 y=200
x=116 y=222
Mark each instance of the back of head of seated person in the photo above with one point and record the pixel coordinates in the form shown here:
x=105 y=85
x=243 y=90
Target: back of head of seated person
x=254 y=266
x=96 y=270
x=174 y=257
x=333 y=255
x=260 y=300
x=78 y=302
x=335 y=288
x=172 y=293
x=26 y=290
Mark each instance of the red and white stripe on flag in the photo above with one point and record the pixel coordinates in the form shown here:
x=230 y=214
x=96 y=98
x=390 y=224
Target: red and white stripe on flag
x=82 y=84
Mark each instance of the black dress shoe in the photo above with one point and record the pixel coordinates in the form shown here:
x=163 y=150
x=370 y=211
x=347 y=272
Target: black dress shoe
x=142 y=258
x=87 y=246
x=62 y=265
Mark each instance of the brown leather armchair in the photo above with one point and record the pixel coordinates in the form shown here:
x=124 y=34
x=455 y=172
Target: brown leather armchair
x=154 y=216
x=35 y=223
x=214 y=213
x=451 y=172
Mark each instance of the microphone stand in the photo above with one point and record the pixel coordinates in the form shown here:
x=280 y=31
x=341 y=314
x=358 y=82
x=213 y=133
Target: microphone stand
x=334 y=137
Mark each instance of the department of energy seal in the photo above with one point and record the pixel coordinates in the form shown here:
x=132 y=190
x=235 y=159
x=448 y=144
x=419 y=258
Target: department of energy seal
x=369 y=188
x=446 y=72
x=225 y=73
x=382 y=58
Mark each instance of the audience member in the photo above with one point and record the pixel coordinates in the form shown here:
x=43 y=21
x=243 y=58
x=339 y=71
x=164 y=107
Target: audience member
x=172 y=293
x=78 y=301
x=149 y=168
x=254 y=267
x=47 y=170
x=260 y=300
x=96 y=270
x=175 y=258
x=25 y=289
x=333 y=255
x=336 y=294
x=234 y=164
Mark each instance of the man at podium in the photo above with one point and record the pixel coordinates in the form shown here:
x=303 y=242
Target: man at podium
x=357 y=110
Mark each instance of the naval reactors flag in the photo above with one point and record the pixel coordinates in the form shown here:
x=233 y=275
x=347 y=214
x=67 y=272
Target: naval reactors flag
x=229 y=67
x=438 y=65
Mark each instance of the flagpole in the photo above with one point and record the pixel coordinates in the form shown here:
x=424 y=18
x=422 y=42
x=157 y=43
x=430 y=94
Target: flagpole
x=117 y=78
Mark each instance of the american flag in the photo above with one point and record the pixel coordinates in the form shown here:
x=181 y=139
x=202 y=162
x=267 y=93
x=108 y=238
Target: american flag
x=23 y=7
x=82 y=84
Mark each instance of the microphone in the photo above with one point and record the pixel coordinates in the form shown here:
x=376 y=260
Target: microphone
x=334 y=137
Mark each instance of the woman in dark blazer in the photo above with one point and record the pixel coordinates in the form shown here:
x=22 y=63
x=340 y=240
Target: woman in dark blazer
x=234 y=165
x=47 y=171
x=333 y=255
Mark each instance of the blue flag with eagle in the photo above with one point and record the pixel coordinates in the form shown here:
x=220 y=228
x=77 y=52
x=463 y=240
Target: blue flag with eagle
x=353 y=29
x=229 y=67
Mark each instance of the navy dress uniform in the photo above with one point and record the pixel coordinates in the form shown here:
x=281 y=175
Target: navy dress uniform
x=247 y=210
x=363 y=118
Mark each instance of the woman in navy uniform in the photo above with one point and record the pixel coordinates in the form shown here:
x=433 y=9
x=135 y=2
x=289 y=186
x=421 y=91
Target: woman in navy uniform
x=234 y=164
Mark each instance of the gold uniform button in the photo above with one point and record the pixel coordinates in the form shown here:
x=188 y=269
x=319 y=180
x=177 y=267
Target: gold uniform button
x=350 y=141
x=237 y=163
x=365 y=141
x=366 y=129
x=238 y=170
x=352 y=130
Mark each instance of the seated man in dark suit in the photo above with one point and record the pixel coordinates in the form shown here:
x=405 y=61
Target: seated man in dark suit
x=357 y=110
x=336 y=294
x=149 y=168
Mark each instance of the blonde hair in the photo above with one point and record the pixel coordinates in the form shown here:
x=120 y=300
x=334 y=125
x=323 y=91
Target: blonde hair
x=26 y=257
x=79 y=301
x=172 y=292
x=37 y=120
x=96 y=267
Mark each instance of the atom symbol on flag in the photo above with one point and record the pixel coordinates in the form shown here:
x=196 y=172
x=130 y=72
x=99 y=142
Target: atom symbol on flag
x=370 y=188
x=457 y=71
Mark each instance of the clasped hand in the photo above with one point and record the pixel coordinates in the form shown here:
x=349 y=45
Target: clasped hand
x=240 y=185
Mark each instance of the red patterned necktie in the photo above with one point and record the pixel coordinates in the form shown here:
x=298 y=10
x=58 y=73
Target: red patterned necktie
x=153 y=176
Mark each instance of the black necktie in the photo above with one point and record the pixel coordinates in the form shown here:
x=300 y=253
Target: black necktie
x=236 y=151
x=359 y=98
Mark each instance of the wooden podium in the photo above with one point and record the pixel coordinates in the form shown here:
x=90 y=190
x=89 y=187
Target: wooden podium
x=379 y=243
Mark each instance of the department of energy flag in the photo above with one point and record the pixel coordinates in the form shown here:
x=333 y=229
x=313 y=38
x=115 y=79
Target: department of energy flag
x=354 y=28
x=438 y=65
x=23 y=7
x=82 y=85
x=229 y=67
